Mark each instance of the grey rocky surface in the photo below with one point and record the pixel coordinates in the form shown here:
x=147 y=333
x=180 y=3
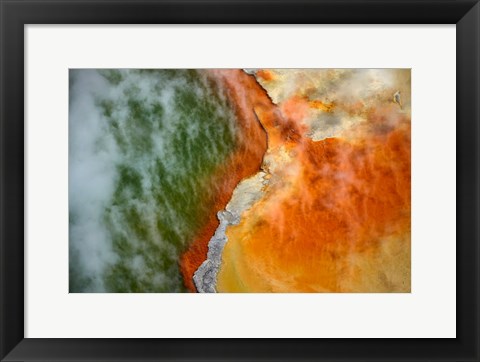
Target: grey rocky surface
x=244 y=196
x=250 y=71
x=205 y=277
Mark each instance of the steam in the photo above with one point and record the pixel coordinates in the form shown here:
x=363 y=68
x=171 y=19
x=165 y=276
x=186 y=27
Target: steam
x=92 y=156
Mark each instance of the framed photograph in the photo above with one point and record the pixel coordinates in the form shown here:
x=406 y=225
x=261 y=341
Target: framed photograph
x=239 y=180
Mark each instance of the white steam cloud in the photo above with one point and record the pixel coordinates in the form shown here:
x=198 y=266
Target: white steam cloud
x=92 y=158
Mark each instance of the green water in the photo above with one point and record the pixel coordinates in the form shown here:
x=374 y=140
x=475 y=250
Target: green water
x=160 y=134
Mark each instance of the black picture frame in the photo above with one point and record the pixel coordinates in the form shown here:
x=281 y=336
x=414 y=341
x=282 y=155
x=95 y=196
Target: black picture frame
x=15 y=14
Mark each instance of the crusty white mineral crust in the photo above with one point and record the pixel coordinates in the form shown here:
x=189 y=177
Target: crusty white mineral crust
x=246 y=193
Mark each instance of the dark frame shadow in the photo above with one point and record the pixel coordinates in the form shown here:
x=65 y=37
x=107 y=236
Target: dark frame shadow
x=15 y=14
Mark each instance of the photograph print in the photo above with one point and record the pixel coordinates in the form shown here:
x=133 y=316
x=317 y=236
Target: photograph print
x=239 y=180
